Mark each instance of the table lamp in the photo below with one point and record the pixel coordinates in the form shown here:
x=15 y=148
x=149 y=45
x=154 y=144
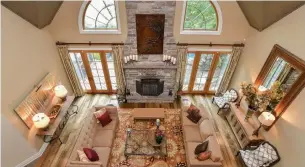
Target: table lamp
x=41 y=120
x=266 y=118
x=61 y=92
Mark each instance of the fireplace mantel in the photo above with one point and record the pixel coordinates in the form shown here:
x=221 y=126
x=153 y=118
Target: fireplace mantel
x=149 y=67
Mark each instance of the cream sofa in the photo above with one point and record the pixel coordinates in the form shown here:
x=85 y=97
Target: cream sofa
x=195 y=134
x=94 y=136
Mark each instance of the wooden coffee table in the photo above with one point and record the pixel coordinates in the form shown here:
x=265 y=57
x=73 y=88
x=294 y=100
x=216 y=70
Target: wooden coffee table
x=148 y=113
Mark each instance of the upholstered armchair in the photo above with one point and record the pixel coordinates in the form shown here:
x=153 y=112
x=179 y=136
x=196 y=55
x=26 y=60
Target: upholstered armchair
x=259 y=153
x=222 y=100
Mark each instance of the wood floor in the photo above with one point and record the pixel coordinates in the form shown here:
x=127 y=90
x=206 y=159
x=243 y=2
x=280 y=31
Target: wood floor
x=57 y=153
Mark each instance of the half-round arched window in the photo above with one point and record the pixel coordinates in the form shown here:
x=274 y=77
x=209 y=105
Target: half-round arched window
x=99 y=16
x=201 y=17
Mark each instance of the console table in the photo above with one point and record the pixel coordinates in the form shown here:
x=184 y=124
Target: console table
x=56 y=125
x=242 y=130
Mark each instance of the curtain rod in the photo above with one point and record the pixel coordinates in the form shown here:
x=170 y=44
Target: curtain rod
x=209 y=44
x=88 y=43
x=179 y=44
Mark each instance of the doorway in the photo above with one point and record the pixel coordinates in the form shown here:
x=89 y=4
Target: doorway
x=95 y=70
x=204 y=71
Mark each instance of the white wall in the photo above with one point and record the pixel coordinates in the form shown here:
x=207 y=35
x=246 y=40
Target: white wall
x=288 y=134
x=234 y=29
x=27 y=55
x=64 y=26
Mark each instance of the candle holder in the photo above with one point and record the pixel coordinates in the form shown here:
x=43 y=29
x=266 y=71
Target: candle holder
x=158 y=123
x=169 y=60
x=131 y=59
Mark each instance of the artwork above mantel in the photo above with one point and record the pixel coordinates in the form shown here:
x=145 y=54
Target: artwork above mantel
x=150 y=33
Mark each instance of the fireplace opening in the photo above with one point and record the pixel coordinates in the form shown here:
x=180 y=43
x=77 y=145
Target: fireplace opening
x=149 y=87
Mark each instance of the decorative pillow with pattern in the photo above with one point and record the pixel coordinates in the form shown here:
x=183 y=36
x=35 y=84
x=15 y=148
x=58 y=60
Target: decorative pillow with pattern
x=192 y=108
x=82 y=156
x=194 y=117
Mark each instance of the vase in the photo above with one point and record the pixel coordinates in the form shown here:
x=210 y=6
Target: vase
x=159 y=139
x=249 y=113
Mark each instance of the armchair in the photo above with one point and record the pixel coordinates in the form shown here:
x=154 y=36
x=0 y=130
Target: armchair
x=258 y=153
x=222 y=100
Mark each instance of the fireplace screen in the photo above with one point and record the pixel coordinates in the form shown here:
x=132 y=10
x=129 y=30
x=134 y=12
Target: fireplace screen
x=149 y=87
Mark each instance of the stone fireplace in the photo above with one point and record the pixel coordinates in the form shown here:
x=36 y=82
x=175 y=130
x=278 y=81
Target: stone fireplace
x=149 y=87
x=150 y=79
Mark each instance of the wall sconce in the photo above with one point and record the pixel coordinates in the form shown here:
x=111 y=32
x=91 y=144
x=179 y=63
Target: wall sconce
x=41 y=120
x=130 y=59
x=169 y=59
x=61 y=92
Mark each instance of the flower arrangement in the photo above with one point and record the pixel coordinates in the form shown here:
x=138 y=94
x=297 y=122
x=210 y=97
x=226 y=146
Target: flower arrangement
x=250 y=92
x=159 y=136
x=273 y=96
x=265 y=100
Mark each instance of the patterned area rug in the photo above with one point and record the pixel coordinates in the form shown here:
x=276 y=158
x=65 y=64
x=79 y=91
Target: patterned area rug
x=173 y=132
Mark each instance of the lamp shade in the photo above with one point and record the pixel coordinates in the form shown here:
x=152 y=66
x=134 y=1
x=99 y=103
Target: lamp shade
x=41 y=120
x=266 y=118
x=60 y=91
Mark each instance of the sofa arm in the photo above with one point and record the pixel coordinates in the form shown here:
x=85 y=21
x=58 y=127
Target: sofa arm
x=84 y=164
x=109 y=109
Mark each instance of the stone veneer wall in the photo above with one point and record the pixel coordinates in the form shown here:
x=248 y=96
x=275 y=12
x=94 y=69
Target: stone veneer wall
x=150 y=7
x=150 y=65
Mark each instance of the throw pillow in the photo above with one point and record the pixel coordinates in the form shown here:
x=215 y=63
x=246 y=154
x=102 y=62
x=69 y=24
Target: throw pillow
x=104 y=119
x=201 y=147
x=82 y=156
x=99 y=112
x=204 y=155
x=91 y=154
x=192 y=108
x=194 y=117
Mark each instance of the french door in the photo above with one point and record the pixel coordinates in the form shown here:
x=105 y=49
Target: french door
x=95 y=70
x=204 y=71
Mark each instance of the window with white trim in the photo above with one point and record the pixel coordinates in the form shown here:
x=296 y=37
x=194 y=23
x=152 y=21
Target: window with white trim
x=99 y=16
x=201 y=17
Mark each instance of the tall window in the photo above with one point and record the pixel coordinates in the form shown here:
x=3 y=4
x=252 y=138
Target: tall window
x=99 y=16
x=201 y=17
x=205 y=71
x=95 y=70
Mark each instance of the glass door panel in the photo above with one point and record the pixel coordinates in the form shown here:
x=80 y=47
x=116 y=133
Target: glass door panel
x=202 y=71
x=80 y=70
x=223 y=62
x=110 y=64
x=95 y=70
x=95 y=63
x=188 y=71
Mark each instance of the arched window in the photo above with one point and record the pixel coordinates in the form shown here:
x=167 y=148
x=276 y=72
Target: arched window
x=201 y=17
x=99 y=16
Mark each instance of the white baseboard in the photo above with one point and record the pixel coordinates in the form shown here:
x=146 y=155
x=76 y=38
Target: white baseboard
x=34 y=157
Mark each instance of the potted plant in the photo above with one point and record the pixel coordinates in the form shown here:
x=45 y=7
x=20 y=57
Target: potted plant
x=159 y=136
x=250 y=92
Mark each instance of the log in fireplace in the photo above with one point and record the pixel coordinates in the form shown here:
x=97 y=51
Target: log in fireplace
x=149 y=87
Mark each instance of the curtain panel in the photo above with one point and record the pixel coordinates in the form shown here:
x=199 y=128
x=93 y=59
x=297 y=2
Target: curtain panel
x=68 y=65
x=181 y=59
x=236 y=52
x=117 y=51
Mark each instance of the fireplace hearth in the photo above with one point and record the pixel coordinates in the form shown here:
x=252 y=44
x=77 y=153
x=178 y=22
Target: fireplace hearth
x=149 y=87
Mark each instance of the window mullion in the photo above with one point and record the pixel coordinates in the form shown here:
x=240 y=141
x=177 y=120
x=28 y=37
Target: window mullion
x=211 y=71
x=194 y=71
